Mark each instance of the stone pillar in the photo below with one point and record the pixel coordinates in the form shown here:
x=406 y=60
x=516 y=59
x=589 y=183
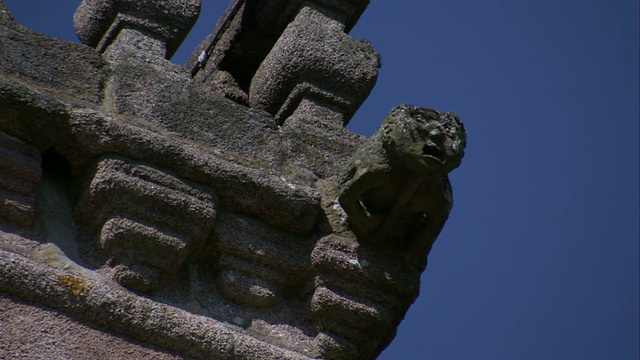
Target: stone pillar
x=314 y=67
x=137 y=37
x=153 y=26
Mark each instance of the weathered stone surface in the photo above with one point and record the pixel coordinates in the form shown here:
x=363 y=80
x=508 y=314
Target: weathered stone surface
x=140 y=207
x=94 y=301
x=256 y=39
x=147 y=221
x=395 y=190
x=275 y=198
x=36 y=332
x=361 y=291
x=315 y=59
x=20 y=173
x=258 y=263
x=98 y=23
x=78 y=73
x=36 y=118
x=5 y=14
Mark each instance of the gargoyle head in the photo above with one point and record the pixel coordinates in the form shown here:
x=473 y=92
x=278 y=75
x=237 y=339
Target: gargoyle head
x=425 y=140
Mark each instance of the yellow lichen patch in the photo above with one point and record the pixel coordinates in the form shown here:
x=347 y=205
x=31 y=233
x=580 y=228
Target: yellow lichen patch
x=75 y=286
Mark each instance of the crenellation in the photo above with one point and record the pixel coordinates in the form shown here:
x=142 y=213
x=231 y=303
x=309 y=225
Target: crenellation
x=254 y=57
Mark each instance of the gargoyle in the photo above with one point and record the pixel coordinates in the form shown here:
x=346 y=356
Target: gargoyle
x=395 y=190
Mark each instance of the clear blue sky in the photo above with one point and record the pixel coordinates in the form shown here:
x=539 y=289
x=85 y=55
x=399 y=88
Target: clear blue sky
x=539 y=259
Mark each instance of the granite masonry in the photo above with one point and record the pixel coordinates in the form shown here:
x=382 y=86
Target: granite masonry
x=219 y=210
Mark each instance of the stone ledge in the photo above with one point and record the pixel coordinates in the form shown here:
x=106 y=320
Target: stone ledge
x=276 y=200
x=78 y=73
x=31 y=331
x=159 y=324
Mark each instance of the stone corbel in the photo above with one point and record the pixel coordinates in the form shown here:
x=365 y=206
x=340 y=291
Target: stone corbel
x=147 y=221
x=258 y=264
x=360 y=293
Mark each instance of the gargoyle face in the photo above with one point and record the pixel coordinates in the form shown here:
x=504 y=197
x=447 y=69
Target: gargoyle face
x=425 y=140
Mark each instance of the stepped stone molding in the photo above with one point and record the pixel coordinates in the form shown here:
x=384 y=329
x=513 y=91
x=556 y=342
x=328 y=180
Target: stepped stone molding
x=259 y=264
x=217 y=210
x=147 y=221
x=359 y=292
x=20 y=174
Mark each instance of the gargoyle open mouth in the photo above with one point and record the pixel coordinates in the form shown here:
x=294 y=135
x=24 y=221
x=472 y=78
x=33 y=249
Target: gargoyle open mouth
x=433 y=151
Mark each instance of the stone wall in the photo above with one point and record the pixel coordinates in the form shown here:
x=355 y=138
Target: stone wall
x=219 y=210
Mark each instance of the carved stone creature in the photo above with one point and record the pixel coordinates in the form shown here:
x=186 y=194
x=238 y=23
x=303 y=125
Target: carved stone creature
x=395 y=189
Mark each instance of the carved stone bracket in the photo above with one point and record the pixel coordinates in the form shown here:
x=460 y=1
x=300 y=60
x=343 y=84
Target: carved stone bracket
x=147 y=221
x=360 y=291
x=258 y=264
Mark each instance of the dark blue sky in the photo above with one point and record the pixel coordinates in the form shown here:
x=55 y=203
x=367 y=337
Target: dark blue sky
x=539 y=259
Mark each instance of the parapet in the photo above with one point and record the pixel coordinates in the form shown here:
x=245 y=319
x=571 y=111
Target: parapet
x=278 y=55
x=216 y=210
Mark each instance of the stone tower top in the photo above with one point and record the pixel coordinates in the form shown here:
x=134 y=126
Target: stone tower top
x=220 y=210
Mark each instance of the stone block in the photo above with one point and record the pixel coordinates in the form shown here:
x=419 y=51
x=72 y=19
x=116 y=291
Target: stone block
x=98 y=22
x=315 y=59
